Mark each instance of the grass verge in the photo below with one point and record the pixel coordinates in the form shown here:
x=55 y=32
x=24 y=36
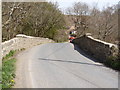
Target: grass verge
x=8 y=70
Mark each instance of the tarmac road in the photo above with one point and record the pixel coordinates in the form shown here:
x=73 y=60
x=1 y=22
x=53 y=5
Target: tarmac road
x=61 y=65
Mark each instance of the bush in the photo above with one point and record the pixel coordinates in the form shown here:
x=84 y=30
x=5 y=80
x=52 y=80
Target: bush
x=113 y=62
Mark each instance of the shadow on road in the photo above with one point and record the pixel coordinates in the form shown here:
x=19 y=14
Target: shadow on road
x=66 y=61
x=69 y=61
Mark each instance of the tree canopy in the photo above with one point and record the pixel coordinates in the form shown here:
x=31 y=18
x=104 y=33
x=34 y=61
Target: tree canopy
x=41 y=19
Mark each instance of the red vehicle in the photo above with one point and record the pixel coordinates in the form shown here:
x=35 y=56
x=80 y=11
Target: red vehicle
x=71 y=38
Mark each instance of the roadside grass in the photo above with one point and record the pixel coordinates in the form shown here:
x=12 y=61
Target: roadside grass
x=10 y=54
x=8 y=70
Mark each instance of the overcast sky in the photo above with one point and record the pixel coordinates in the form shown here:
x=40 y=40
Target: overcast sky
x=63 y=4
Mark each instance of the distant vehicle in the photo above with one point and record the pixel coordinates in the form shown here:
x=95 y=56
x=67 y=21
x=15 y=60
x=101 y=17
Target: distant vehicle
x=72 y=36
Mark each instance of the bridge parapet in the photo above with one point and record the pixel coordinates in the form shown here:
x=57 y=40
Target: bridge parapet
x=22 y=41
x=97 y=48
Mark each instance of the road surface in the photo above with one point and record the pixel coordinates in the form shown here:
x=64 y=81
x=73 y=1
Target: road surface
x=61 y=65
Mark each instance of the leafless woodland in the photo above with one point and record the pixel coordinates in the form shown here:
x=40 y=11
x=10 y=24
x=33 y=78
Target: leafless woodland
x=103 y=24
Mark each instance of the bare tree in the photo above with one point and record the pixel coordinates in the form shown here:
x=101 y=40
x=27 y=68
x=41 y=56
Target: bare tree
x=13 y=14
x=80 y=12
x=101 y=23
x=109 y=21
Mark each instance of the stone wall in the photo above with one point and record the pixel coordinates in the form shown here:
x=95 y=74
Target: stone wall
x=99 y=49
x=22 y=41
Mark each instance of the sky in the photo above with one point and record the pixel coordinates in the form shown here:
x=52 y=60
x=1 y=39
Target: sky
x=63 y=4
